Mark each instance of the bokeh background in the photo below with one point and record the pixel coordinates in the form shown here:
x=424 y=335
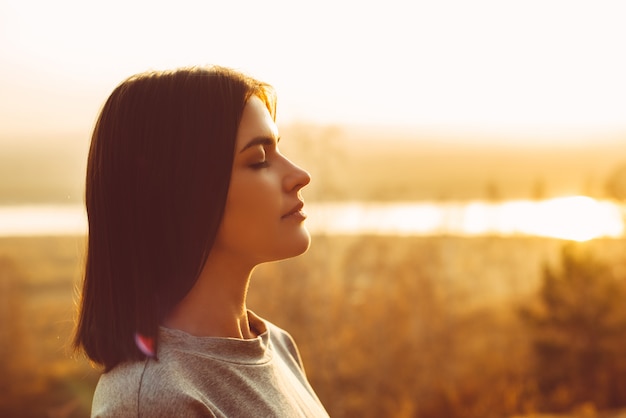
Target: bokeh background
x=467 y=204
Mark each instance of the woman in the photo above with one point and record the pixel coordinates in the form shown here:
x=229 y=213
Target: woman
x=186 y=193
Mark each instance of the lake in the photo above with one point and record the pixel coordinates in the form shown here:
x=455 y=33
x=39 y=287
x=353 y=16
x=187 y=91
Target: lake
x=576 y=218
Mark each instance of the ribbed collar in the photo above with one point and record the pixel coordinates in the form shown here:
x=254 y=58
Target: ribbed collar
x=233 y=350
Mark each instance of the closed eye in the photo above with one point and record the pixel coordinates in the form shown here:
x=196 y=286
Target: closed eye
x=266 y=145
x=259 y=165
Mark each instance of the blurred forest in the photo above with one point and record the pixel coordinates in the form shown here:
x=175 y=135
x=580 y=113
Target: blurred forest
x=387 y=326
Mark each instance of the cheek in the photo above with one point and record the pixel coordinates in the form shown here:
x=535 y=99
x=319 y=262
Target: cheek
x=253 y=199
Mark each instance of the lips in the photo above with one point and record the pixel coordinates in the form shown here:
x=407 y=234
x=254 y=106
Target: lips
x=295 y=210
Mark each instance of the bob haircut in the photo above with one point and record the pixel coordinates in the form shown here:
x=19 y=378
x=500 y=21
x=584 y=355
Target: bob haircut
x=158 y=173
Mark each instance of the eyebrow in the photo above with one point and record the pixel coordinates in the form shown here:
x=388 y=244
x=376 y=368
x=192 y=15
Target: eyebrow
x=260 y=140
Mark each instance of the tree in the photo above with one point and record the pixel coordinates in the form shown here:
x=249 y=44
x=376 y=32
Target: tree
x=539 y=189
x=577 y=332
x=616 y=183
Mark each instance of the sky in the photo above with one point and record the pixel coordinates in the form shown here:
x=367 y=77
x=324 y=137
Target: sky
x=530 y=68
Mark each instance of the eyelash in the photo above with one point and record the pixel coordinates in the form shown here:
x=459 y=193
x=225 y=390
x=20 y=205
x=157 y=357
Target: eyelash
x=259 y=165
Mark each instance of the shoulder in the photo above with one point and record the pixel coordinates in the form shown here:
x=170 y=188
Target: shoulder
x=148 y=388
x=283 y=343
x=117 y=390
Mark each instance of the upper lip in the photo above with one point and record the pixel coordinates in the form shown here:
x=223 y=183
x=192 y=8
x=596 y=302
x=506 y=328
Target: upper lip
x=297 y=208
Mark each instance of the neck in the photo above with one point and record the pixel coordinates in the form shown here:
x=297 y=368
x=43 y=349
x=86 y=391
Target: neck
x=216 y=305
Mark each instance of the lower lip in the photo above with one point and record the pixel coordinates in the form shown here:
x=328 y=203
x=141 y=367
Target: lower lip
x=299 y=215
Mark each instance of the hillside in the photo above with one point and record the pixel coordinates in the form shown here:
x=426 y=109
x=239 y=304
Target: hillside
x=359 y=164
x=43 y=170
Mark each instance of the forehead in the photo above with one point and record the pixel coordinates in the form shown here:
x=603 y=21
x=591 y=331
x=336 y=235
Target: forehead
x=256 y=121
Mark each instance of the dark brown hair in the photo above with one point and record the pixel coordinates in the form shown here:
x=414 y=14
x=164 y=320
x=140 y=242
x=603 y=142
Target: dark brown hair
x=158 y=173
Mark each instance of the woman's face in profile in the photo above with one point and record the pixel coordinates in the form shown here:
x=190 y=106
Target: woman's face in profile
x=263 y=219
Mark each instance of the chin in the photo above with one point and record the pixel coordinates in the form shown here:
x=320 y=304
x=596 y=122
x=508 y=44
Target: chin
x=296 y=246
x=306 y=242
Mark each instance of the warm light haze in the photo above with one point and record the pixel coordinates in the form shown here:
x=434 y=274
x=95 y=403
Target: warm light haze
x=532 y=70
x=467 y=203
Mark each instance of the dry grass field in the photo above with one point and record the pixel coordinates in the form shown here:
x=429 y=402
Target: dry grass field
x=387 y=326
x=37 y=283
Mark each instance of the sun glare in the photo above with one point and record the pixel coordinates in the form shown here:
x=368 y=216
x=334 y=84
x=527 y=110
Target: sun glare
x=577 y=218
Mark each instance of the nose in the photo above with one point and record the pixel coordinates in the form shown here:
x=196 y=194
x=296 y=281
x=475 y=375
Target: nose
x=296 y=178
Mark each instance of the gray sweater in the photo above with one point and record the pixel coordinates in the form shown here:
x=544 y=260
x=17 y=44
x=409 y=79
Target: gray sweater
x=212 y=377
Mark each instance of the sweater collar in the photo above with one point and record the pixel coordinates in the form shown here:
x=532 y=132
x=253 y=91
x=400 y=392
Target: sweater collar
x=233 y=350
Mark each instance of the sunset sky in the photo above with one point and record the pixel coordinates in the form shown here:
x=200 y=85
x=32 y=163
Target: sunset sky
x=531 y=68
